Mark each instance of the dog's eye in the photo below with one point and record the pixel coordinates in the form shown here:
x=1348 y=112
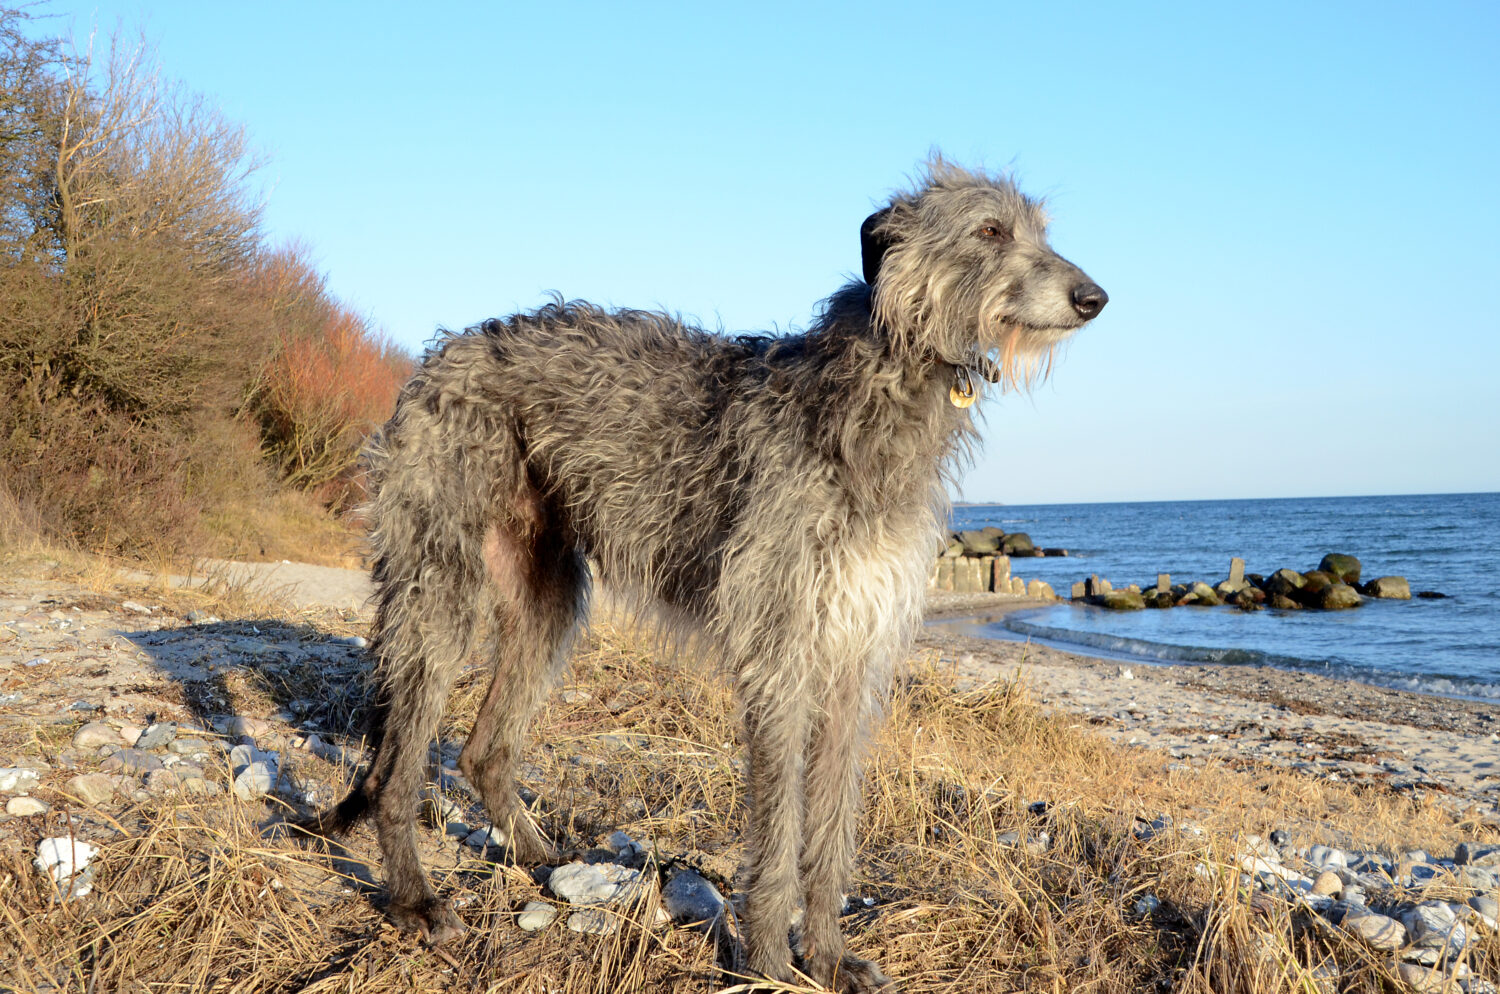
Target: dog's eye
x=994 y=231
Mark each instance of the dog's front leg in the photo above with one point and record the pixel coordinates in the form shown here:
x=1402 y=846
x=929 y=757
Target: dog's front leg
x=776 y=724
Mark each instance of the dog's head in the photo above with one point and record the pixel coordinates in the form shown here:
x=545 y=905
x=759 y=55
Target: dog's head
x=960 y=268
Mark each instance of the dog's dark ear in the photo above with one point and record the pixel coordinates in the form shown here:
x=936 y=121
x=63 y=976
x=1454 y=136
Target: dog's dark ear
x=873 y=244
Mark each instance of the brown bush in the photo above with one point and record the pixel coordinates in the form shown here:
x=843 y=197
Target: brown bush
x=329 y=383
x=154 y=350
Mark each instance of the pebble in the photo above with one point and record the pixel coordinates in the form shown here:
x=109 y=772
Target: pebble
x=1434 y=925
x=1477 y=854
x=690 y=898
x=593 y=921
x=593 y=883
x=1423 y=979
x=243 y=725
x=162 y=782
x=1377 y=931
x=156 y=736
x=16 y=778
x=24 y=807
x=95 y=734
x=1326 y=857
x=91 y=788
x=190 y=747
x=66 y=861
x=254 y=781
x=1488 y=906
x=483 y=838
x=130 y=761
x=536 y=915
x=1327 y=882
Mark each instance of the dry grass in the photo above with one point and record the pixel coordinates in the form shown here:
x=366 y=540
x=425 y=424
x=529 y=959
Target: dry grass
x=201 y=896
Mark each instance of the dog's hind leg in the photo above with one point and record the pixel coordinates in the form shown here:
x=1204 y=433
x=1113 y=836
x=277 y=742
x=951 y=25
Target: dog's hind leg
x=542 y=587
x=426 y=633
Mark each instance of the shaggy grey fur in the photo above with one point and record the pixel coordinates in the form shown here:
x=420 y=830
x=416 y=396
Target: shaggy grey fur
x=779 y=497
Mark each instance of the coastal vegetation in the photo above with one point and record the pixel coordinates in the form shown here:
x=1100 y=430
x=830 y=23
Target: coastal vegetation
x=175 y=381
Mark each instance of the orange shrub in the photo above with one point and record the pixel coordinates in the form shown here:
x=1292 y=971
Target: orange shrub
x=329 y=384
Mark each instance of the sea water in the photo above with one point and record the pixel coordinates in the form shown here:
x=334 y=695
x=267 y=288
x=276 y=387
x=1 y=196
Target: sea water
x=1449 y=543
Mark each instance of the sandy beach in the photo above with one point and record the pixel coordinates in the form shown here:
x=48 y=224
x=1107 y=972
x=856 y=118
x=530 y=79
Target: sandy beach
x=1434 y=748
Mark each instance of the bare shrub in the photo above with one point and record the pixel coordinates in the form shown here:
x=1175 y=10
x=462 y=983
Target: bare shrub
x=328 y=384
x=164 y=366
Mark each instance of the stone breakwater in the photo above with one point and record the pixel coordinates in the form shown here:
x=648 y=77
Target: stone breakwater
x=979 y=562
x=1334 y=586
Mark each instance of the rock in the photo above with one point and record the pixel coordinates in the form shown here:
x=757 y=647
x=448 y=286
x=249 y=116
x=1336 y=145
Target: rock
x=156 y=736
x=1328 y=884
x=159 y=782
x=95 y=734
x=1477 y=854
x=241 y=725
x=690 y=898
x=1339 y=597
x=1327 y=857
x=1018 y=544
x=594 y=883
x=66 y=861
x=1488 y=906
x=191 y=747
x=1345 y=568
x=1392 y=588
x=130 y=761
x=1285 y=582
x=1122 y=600
x=1018 y=586
x=1311 y=592
x=1160 y=599
x=1426 y=979
x=90 y=788
x=1228 y=588
x=25 y=807
x=254 y=781
x=483 y=838
x=1055 y=552
x=536 y=915
x=1000 y=575
x=13 y=778
x=1376 y=931
x=1282 y=603
x=977 y=543
x=593 y=921
x=953 y=549
x=1204 y=595
x=1433 y=925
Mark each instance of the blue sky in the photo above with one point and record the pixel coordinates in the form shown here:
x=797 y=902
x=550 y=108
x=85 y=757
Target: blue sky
x=1292 y=206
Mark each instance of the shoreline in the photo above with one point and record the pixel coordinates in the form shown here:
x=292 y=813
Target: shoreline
x=1425 y=745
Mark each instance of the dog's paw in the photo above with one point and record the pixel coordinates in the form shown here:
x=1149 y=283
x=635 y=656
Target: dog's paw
x=852 y=975
x=432 y=918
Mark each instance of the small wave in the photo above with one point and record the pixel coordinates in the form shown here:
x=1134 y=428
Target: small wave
x=1121 y=646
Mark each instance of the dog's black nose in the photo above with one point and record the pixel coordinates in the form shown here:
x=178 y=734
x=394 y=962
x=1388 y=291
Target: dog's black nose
x=1089 y=299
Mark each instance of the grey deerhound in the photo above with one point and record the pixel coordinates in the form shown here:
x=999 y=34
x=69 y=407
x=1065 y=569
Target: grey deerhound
x=779 y=496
